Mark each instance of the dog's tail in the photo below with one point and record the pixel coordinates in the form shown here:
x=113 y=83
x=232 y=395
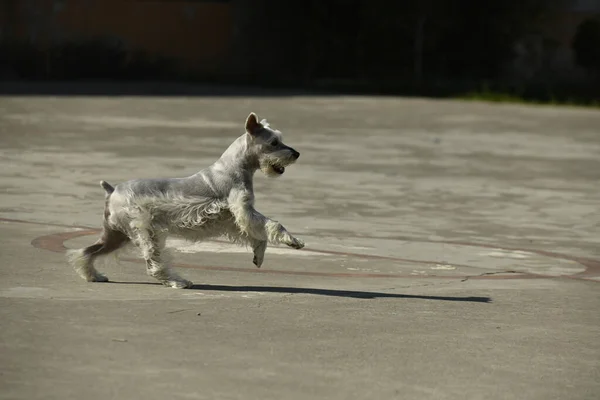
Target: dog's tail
x=107 y=188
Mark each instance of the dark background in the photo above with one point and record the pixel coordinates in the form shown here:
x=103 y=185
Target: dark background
x=542 y=49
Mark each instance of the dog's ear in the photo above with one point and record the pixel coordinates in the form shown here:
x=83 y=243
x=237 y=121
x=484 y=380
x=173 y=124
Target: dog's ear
x=252 y=124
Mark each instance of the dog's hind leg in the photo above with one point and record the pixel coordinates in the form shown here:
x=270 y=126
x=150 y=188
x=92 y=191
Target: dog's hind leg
x=82 y=260
x=152 y=245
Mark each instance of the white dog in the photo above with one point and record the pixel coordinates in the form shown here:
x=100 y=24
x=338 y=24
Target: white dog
x=217 y=201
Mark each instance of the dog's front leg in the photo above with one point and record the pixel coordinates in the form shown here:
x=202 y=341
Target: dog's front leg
x=276 y=233
x=260 y=228
x=263 y=228
x=258 y=247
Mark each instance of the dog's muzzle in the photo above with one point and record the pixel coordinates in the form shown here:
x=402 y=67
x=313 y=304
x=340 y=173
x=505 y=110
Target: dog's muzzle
x=280 y=169
x=274 y=165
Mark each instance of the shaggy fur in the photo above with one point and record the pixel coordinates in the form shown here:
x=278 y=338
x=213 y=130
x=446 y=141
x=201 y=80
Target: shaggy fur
x=217 y=201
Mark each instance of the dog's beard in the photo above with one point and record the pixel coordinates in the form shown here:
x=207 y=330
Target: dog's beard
x=273 y=164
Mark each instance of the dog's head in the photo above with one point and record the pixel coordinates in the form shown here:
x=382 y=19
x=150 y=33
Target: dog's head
x=273 y=155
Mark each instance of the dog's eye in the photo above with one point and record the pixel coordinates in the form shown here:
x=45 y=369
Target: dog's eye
x=275 y=142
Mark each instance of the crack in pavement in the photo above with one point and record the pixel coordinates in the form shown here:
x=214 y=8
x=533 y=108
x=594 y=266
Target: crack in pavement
x=490 y=273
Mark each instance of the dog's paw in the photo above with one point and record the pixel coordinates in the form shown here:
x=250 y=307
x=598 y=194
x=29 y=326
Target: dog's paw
x=259 y=253
x=97 y=278
x=179 y=284
x=296 y=243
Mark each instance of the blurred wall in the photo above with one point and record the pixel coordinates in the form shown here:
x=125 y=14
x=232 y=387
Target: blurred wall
x=549 y=52
x=300 y=40
x=195 y=33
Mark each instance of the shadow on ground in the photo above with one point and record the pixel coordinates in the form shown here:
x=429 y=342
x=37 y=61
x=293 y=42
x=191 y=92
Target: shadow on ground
x=321 y=292
x=335 y=293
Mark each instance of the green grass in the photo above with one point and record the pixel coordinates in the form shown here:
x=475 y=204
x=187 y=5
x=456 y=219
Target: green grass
x=502 y=96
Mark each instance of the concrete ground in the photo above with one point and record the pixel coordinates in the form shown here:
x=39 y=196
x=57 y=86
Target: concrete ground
x=452 y=253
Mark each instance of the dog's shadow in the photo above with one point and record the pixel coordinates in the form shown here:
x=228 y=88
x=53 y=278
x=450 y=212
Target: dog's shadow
x=355 y=294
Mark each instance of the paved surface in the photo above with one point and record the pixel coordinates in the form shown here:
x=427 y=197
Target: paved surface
x=451 y=253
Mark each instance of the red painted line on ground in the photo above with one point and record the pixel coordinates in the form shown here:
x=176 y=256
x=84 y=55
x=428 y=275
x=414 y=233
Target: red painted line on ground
x=55 y=243
x=592 y=266
x=90 y=231
x=20 y=221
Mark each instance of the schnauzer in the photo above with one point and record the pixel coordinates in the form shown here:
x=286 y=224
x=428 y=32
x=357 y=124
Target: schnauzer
x=217 y=201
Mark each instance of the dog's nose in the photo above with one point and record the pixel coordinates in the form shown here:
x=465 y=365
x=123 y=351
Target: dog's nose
x=295 y=154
